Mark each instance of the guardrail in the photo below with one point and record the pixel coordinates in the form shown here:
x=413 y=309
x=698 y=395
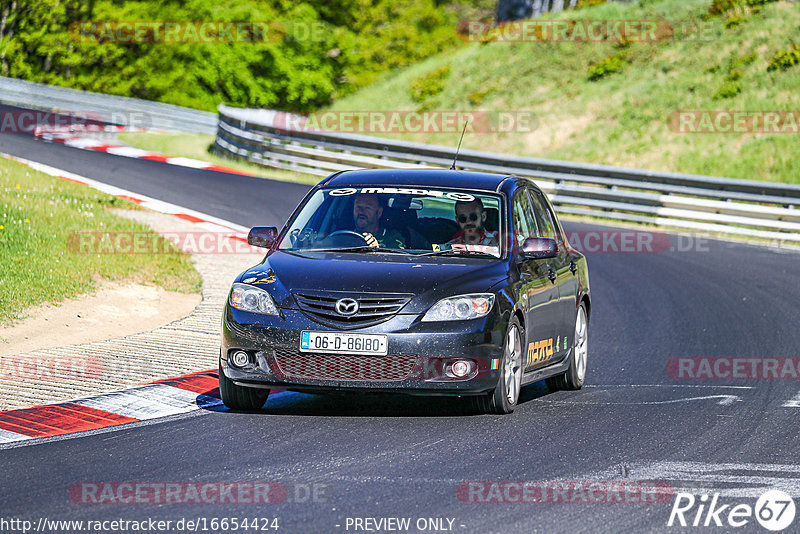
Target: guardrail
x=111 y=109
x=759 y=209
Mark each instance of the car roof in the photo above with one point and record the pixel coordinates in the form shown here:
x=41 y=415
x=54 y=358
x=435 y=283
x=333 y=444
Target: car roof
x=420 y=177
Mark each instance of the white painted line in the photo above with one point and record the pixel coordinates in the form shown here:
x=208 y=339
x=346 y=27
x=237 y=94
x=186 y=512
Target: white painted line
x=151 y=203
x=128 y=151
x=188 y=162
x=6 y=436
x=149 y=402
x=212 y=227
x=725 y=400
x=80 y=142
x=727 y=479
x=794 y=402
x=663 y=386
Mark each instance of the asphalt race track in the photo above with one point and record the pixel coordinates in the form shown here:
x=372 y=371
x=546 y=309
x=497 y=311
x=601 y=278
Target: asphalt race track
x=373 y=457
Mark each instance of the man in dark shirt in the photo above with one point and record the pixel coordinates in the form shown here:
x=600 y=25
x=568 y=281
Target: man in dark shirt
x=367 y=212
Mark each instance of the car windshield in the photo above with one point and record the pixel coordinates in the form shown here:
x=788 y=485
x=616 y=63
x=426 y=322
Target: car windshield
x=401 y=220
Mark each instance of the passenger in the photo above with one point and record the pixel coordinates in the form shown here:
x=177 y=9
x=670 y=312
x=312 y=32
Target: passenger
x=471 y=218
x=367 y=212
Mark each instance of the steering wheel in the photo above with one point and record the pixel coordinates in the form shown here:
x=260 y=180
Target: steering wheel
x=346 y=232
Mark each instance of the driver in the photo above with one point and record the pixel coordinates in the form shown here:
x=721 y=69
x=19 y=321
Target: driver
x=471 y=217
x=367 y=212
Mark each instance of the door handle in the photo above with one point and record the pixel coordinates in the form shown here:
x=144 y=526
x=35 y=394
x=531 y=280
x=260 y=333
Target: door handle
x=573 y=267
x=552 y=276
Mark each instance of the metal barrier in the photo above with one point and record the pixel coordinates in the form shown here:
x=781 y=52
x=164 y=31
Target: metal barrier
x=111 y=109
x=764 y=210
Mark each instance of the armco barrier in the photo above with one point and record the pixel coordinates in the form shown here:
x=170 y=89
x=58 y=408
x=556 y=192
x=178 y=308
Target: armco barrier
x=758 y=209
x=111 y=109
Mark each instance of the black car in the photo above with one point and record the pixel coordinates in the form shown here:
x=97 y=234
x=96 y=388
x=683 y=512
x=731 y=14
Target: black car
x=433 y=282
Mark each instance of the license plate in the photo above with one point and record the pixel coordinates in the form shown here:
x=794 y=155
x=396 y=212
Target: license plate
x=342 y=343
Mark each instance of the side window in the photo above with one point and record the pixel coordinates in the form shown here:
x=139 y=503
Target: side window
x=522 y=215
x=543 y=216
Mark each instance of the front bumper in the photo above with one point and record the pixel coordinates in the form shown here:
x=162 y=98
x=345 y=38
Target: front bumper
x=419 y=354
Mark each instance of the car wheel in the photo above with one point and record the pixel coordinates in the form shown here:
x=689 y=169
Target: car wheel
x=576 y=373
x=503 y=399
x=239 y=397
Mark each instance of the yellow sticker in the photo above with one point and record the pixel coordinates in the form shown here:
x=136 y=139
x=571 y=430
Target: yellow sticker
x=436 y=247
x=540 y=351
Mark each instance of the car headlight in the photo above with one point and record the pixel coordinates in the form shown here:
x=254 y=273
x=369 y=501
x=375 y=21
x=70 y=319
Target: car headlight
x=252 y=299
x=460 y=308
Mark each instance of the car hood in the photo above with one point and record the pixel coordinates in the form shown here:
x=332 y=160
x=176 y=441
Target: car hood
x=427 y=278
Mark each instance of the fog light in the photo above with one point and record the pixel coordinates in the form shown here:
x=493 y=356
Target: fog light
x=461 y=368
x=240 y=358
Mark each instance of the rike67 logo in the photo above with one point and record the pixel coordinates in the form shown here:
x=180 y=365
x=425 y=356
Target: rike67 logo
x=774 y=510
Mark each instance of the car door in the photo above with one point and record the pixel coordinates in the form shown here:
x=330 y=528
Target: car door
x=563 y=267
x=538 y=295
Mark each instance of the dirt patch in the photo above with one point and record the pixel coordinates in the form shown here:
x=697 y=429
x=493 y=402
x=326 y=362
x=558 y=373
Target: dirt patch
x=115 y=310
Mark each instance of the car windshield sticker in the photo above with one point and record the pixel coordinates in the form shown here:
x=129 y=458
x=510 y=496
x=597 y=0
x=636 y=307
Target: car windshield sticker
x=453 y=195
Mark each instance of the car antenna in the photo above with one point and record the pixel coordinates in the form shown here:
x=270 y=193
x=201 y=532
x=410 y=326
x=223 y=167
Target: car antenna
x=453 y=166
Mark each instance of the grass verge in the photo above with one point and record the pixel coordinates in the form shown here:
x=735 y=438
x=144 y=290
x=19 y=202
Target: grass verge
x=38 y=214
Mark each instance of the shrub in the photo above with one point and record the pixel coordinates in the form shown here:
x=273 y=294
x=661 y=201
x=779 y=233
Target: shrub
x=729 y=89
x=430 y=84
x=784 y=59
x=606 y=67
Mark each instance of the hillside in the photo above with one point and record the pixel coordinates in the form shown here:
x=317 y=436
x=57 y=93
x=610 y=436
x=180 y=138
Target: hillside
x=616 y=103
x=281 y=54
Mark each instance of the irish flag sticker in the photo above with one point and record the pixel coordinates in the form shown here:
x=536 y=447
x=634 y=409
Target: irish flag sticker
x=495 y=363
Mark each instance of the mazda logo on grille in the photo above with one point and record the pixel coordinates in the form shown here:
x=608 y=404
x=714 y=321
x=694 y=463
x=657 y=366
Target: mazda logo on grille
x=347 y=307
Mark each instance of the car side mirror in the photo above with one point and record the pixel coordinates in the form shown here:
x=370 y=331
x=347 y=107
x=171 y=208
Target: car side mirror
x=538 y=248
x=262 y=236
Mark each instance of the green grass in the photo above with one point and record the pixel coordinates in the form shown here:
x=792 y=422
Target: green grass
x=622 y=116
x=197 y=146
x=38 y=214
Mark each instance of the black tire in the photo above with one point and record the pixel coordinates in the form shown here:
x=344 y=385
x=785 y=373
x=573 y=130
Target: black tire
x=239 y=397
x=497 y=401
x=574 y=377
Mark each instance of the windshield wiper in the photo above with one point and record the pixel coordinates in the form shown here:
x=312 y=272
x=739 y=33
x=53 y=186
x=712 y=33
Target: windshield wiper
x=362 y=248
x=457 y=253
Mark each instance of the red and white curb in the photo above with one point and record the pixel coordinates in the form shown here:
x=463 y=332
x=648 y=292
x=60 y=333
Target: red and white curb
x=203 y=221
x=151 y=401
x=97 y=145
x=173 y=396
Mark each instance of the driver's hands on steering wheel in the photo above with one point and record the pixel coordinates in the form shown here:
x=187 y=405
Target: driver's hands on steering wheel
x=371 y=240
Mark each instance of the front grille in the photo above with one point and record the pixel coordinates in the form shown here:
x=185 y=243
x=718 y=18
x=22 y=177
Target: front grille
x=373 y=308
x=344 y=367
